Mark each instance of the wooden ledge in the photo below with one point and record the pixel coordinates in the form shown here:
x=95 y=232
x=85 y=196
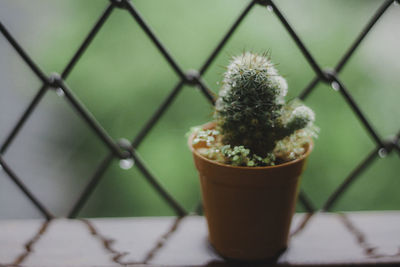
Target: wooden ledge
x=322 y=239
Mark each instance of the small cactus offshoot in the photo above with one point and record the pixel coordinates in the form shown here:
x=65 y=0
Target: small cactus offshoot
x=254 y=125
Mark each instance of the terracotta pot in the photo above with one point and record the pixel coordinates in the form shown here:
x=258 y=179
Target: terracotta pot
x=248 y=209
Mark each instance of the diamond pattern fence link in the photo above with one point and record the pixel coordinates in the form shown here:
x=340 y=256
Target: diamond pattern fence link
x=124 y=149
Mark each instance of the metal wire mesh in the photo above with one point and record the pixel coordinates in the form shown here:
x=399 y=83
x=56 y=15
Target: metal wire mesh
x=124 y=149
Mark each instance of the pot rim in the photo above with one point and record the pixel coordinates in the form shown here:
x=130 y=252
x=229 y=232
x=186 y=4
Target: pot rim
x=211 y=125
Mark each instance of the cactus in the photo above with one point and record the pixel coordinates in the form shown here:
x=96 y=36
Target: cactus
x=254 y=125
x=251 y=110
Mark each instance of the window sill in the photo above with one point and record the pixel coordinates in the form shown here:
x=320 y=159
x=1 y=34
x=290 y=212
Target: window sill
x=328 y=239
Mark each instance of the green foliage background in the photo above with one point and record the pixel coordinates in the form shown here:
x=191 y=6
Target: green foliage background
x=122 y=79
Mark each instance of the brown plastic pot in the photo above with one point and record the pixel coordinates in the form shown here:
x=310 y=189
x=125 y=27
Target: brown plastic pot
x=248 y=209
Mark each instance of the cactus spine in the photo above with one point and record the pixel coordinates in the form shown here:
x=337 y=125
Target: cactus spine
x=251 y=111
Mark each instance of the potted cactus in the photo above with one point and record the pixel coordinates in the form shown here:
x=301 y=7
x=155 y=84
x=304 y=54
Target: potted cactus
x=250 y=159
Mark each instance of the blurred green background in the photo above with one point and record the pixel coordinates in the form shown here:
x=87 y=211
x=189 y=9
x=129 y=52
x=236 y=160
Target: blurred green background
x=122 y=79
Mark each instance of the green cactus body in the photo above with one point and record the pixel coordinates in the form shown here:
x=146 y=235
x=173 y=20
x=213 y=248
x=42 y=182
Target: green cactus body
x=254 y=125
x=250 y=110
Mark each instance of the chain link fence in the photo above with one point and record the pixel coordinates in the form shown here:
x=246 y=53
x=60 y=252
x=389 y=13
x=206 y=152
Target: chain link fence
x=125 y=150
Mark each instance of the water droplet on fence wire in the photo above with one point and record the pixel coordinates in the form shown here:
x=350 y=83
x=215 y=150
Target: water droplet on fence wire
x=60 y=92
x=382 y=153
x=126 y=164
x=335 y=86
